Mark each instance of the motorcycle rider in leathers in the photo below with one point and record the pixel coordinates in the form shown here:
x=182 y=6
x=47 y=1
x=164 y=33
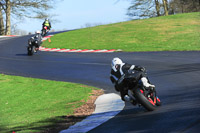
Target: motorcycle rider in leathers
x=119 y=69
x=37 y=37
x=47 y=23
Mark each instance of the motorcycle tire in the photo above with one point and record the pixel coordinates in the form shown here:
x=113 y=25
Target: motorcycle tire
x=146 y=102
x=30 y=51
x=43 y=32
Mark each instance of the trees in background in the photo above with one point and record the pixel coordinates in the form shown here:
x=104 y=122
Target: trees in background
x=144 y=8
x=184 y=6
x=22 y=8
x=1 y=21
x=8 y=11
x=153 y=8
x=148 y=8
x=157 y=7
x=165 y=6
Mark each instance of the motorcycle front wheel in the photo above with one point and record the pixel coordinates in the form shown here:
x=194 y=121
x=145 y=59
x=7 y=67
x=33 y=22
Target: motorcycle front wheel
x=43 y=32
x=30 y=51
x=145 y=101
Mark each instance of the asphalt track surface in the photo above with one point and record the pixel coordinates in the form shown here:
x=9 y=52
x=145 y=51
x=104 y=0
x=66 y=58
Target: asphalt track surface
x=175 y=74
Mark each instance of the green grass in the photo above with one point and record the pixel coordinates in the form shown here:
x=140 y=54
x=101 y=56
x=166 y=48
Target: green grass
x=28 y=104
x=167 y=33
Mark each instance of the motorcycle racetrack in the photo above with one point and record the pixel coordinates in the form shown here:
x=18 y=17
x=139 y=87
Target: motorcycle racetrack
x=175 y=74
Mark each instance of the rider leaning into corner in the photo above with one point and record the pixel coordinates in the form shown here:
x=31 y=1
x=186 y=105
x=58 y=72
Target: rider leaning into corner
x=47 y=23
x=119 y=69
x=37 y=37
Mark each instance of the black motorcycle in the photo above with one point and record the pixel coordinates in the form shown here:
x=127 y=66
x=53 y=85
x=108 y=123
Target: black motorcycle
x=45 y=30
x=147 y=97
x=33 y=46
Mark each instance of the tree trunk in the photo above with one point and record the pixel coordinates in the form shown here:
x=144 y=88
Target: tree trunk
x=195 y=5
x=8 y=10
x=157 y=7
x=165 y=3
x=1 y=23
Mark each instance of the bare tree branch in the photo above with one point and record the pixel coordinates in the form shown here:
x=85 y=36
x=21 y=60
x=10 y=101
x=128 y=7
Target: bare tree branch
x=37 y=9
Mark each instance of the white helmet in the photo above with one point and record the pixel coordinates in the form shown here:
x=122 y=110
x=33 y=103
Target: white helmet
x=116 y=61
x=37 y=32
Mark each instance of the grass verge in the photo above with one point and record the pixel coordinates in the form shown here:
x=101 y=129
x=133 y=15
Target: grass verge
x=167 y=33
x=28 y=104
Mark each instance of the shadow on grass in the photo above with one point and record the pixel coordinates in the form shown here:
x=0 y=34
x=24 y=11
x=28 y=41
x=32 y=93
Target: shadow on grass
x=2 y=128
x=53 y=125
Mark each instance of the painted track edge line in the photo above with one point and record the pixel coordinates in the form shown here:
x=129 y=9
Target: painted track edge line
x=107 y=106
x=77 y=50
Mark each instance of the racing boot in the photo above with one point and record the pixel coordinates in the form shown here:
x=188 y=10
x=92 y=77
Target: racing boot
x=34 y=50
x=127 y=98
x=146 y=83
x=133 y=102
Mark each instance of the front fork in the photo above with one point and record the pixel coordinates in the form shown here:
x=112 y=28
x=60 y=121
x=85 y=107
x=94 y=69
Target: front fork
x=131 y=95
x=150 y=94
x=29 y=48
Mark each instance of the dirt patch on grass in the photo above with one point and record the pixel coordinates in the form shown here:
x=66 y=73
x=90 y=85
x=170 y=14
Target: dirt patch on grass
x=80 y=113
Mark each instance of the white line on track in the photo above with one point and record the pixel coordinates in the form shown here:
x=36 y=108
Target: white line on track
x=107 y=106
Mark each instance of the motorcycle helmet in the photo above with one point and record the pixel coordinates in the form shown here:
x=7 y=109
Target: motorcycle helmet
x=37 y=32
x=46 y=19
x=116 y=62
